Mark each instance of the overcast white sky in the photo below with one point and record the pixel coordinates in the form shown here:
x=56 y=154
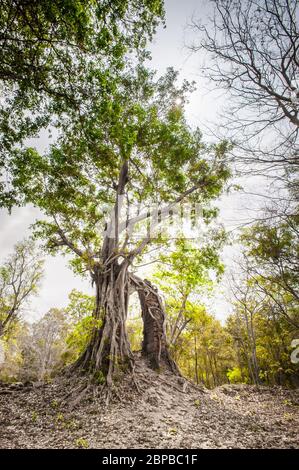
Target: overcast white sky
x=167 y=50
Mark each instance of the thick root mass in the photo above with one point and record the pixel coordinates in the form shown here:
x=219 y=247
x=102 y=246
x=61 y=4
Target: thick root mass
x=108 y=356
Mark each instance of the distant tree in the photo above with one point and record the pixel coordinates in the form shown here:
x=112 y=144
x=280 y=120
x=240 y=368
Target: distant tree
x=12 y=345
x=247 y=305
x=136 y=150
x=204 y=349
x=20 y=277
x=262 y=340
x=44 y=349
x=81 y=321
x=40 y=350
x=252 y=52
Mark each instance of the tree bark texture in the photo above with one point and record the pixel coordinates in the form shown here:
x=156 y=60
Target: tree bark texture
x=154 y=344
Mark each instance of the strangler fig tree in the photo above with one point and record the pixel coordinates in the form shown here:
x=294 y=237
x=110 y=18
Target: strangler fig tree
x=130 y=151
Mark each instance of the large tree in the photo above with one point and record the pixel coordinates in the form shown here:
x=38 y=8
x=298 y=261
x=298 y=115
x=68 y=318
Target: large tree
x=56 y=56
x=136 y=148
x=271 y=251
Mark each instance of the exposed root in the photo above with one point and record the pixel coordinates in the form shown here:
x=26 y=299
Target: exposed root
x=103 y=393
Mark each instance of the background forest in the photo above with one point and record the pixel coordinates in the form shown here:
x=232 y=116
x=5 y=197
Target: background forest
x=253 y=346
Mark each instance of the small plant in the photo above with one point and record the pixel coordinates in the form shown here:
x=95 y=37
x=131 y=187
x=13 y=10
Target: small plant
x=34 y=416
x=215 y=397
x=54 y=404
x=82 y=443
x=72 y=425
x=288 y=416
x=197 y=403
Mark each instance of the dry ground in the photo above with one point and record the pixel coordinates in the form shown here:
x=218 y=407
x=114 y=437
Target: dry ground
x=167 y=413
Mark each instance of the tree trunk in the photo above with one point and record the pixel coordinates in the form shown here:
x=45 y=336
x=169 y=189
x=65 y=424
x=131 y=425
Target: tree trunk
x=196 y=359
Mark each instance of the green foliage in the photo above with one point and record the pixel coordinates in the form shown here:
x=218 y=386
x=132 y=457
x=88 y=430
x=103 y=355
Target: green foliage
x=198 y=342
x=56 y=57
x=80 y=306
x=34 y=416
x=204 y=350
x=135 y=332
x=75 y=181
x=188 y=267
x=54 y=404
x=99 y=377
x=80 y=314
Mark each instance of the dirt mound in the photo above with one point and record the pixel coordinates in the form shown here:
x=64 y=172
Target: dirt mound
x=167 y=412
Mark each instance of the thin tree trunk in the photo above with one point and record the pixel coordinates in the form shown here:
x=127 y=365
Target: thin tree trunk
x=196 y=360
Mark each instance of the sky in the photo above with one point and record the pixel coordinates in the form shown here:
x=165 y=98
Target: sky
x=168 y=50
